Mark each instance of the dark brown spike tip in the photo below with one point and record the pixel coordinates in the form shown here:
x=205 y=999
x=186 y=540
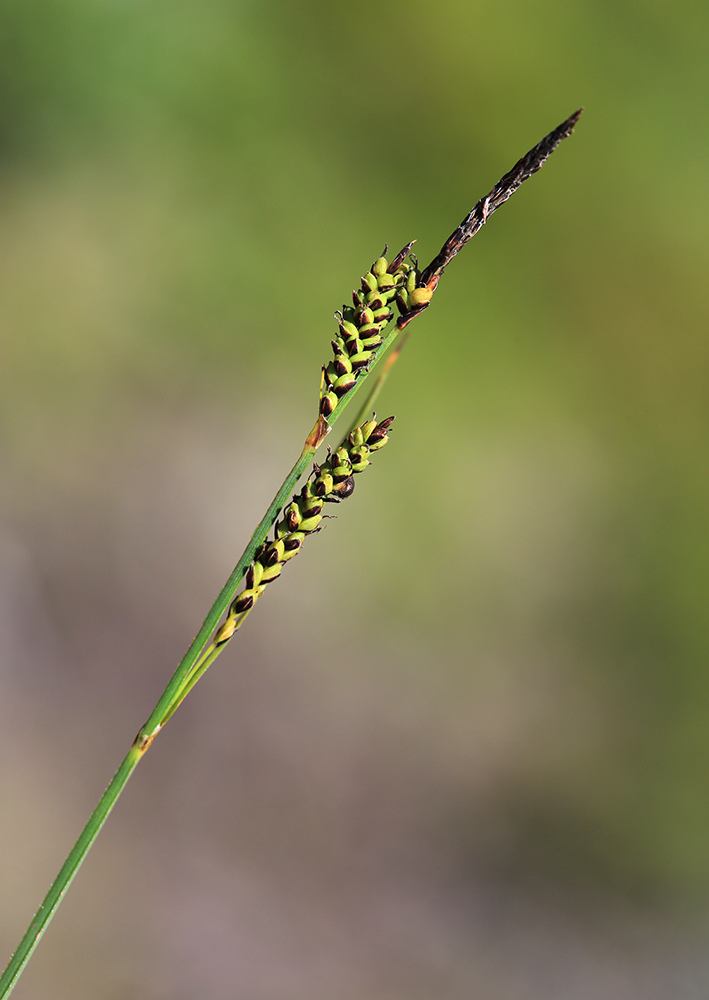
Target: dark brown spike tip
x=504 y=189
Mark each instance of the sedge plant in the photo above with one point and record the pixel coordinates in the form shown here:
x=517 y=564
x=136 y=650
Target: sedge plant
x=391 y=295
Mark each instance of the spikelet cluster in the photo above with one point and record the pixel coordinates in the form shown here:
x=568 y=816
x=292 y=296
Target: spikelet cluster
x=333 y=481
x=362 y=323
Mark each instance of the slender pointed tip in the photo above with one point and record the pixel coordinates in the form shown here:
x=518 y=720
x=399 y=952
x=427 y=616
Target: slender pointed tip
x=481 y=212
x=564 y=130
x=566 y=127
x=400 y=257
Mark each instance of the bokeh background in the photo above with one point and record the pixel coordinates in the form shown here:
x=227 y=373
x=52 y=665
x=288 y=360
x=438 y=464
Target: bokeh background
x=462 y=749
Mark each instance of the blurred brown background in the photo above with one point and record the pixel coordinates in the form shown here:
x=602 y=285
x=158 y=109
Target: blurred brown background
x=462 y=749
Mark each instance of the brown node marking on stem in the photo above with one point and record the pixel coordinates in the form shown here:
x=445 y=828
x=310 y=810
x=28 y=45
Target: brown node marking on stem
x=143 y=740
x=318 y=434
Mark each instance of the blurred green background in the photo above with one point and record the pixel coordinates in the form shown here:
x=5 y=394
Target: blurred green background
x=462 y=750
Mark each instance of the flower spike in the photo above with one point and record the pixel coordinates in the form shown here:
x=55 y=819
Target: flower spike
x=331 y=482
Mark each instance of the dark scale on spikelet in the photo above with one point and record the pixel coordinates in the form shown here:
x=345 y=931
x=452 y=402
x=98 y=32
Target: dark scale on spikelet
x=331 y=482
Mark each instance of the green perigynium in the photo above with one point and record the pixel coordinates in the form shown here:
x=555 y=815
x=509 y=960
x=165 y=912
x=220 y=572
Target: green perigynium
x=331 y=482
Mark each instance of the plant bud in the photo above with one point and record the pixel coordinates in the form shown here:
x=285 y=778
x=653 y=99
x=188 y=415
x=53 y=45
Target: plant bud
x=345 y=488
x=379 y=267
x=341 y=362
x=328 y=403
x=225 y=632
x=367 y=428
x=274 y=553
x=379 y=436
x=364 y=316
x=361 y=359
x=386 y=281
x=340 y=457
x=271 y=572
x=310 y=507
x=293 y=517
x=344 y=383
x=292 y=545
x=419 y=297
x=323 y=484
x=310 y=523
x=254 y=574
x=341 y=473
x=348 y=330
x=358 y=457
x=243 y=602
x=369 y=283
x=376 y=443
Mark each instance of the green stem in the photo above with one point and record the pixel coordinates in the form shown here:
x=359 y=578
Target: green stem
x=192 y=666
x=69 y=869
x=203 y=664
